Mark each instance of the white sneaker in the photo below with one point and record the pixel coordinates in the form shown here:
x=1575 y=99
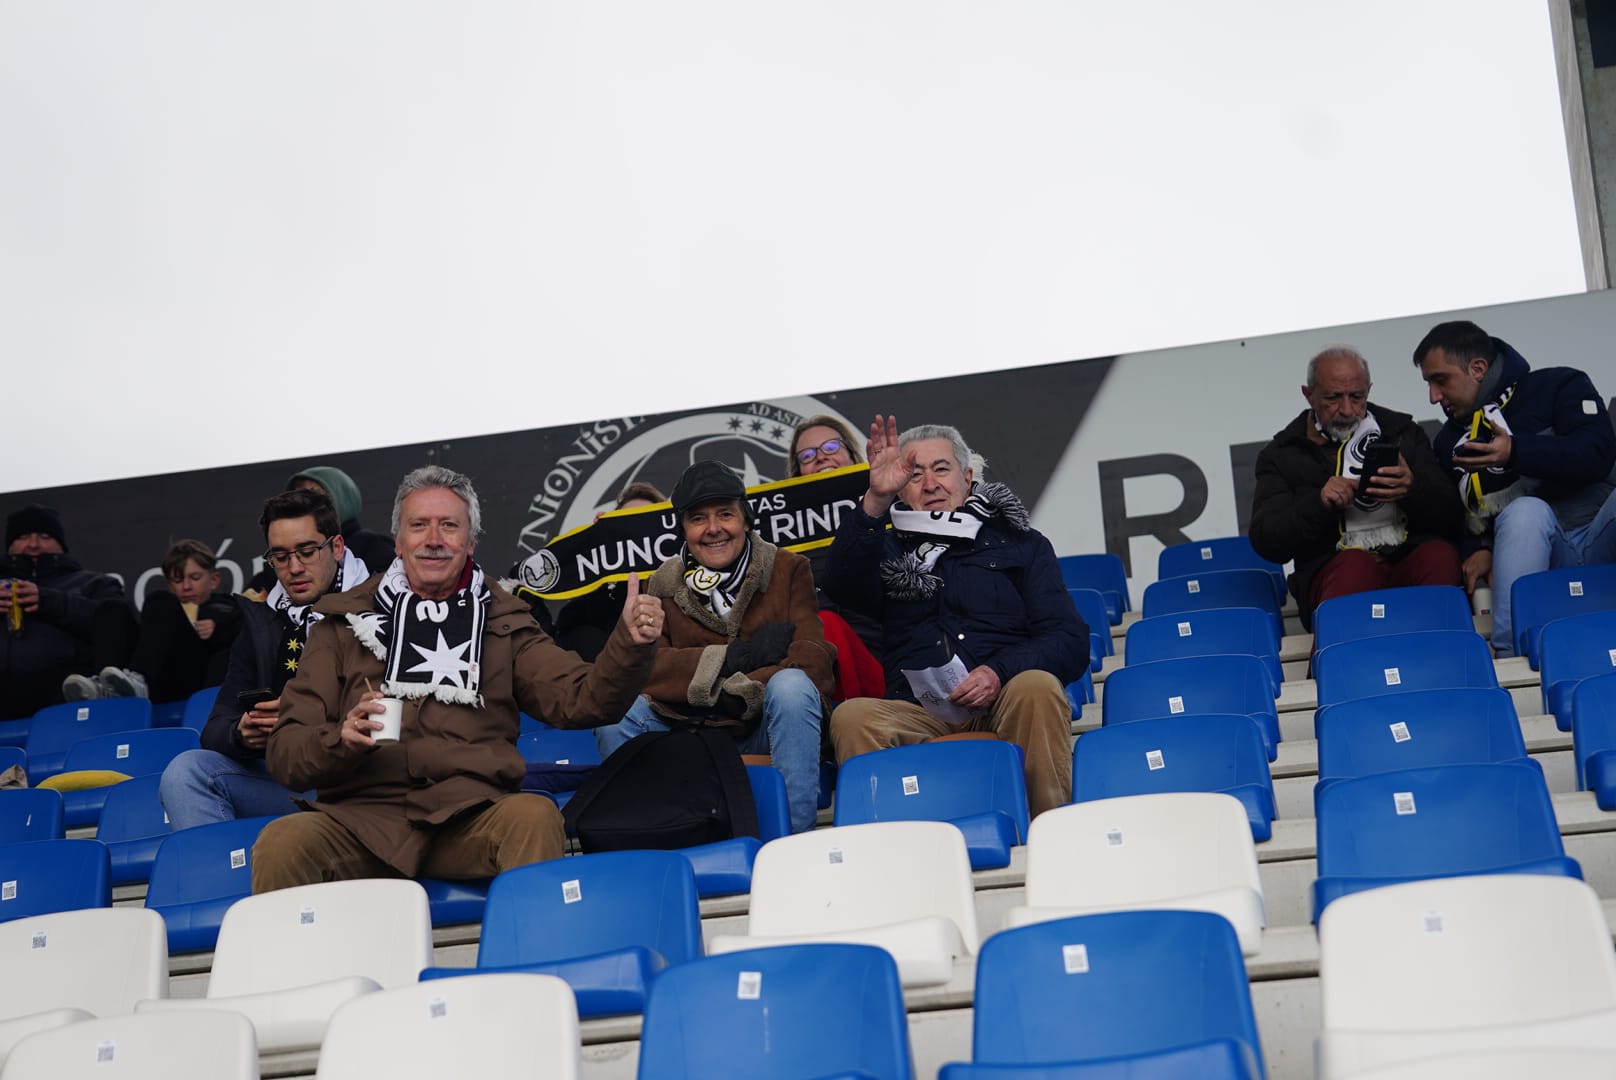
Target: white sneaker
x=121 y=682
x=81 y=688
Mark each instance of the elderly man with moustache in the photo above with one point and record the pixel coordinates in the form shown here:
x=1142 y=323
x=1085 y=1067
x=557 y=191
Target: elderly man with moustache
x=741 y=646
x=463 y=656
x=961 y=574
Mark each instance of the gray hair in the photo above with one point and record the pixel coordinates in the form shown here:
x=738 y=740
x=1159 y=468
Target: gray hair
x=436 y=476
x=962 y=453
x=1336 y=352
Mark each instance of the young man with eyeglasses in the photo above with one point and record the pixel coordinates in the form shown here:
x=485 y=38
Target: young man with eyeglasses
x=226 y=779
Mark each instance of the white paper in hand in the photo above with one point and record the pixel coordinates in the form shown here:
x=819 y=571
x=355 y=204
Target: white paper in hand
x=931 y=687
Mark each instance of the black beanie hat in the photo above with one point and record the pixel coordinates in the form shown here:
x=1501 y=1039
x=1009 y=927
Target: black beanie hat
x=705 y=481
x=35 y=518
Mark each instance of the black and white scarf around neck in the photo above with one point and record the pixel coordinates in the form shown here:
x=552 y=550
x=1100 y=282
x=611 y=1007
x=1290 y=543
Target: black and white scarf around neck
x=431 y=648
x=717 y=588
x=926 y=534
x=350 y=572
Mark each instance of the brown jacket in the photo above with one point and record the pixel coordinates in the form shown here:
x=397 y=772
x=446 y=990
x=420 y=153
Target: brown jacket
x=452 y=758
x=779 y=587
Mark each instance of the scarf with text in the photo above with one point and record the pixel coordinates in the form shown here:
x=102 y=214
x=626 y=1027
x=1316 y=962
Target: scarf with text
x=926 y=534
x=1486 y=492
x=1365 y=524
x=717 y=588
x=431 y=648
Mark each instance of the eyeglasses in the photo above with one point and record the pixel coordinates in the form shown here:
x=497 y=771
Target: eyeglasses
x=305 y=553
x=828 y=447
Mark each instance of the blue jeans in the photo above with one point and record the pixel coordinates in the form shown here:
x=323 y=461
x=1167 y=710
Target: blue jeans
x=788 y=733
x=204 y=786
x=1528 y=538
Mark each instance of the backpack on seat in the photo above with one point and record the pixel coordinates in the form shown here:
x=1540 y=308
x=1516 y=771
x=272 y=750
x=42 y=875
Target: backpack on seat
x=665 y=790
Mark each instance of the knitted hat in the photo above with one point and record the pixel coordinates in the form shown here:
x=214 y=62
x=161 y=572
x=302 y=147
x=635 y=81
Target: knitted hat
x=338 y=484
x=705 y=481
x=35 y=518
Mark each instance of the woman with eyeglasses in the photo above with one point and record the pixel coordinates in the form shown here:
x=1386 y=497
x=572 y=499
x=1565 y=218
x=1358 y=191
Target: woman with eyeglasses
x=819 y=443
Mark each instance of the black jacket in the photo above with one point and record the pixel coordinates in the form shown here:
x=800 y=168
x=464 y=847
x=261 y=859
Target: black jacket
x=252 y=667
x=1289 y=521
x=55 y=641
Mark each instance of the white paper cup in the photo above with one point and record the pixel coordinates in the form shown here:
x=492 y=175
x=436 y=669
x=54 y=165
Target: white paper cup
x=1481 y=601
x=392 y=720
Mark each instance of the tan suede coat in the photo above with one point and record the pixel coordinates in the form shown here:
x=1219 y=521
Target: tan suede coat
x=451 y=758
x=779 y=587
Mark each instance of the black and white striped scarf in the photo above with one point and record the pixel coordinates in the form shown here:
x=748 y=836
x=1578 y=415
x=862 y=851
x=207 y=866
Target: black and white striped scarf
x=350 y=572
x=717 y=588
x=926 y=534
x=430 y=647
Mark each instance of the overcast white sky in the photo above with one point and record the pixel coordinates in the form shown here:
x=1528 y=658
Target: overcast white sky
x=371 y=222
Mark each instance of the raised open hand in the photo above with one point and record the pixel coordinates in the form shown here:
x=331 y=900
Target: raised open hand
x=889 y=469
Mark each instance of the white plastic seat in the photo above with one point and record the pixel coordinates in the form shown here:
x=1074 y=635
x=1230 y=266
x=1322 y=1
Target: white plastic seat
x=1181 y=850
x=471 y=1025
x=1504 y=1065
x=1416 y=973
x=75 y=965
x=904 y=886
x=288 y=959
x=168 y=1046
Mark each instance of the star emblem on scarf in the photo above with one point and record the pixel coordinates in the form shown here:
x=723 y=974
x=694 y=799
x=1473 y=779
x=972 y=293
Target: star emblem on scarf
x=444 y=664
x=294 y=645
x=291 y=665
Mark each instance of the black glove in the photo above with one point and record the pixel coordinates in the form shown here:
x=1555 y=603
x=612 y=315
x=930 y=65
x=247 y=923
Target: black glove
x=763 y=649
x=738 y=657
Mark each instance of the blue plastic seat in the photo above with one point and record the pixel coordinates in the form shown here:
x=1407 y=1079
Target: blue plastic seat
x=133 y=753
x=1079 y=693
x=168 y=713
x=978 y=785
x=197 y=708
x=607 y=923
x=1536 y=600
x=13 y=755
x=1393 y=827
x=48 y=876
x=530 y=726
x=1391 y=611
x=556 y=746
x=56 y=728
x=1103 y=573
x=1570 y=650
x=29 y=814
x=1399 y=663
x=133 y=826
x=1214 y=589
x=1206 y=633
x=1417 y=730
x=1234 y=684
x=1219 y=752
x=1223 y=553
x=822 y=1010
x=197 y=874
x=724 y=868
x=1128 y=995
x=1090 y=604
x=1593 y=738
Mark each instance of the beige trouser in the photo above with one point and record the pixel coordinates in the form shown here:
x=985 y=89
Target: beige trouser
x=1032 y=712
x=309 y=847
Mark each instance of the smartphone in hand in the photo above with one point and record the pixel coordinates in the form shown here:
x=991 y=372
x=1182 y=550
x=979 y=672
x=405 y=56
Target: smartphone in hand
x=1378 y=455
x=248 y=698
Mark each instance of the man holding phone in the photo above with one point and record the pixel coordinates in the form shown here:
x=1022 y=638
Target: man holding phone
x=226 y=779
x=1353 y=493
x=1533 y=457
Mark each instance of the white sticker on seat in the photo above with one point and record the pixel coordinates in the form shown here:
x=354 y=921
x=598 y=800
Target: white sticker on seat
x=563 y=761
x=749 y=986
x=1113 y=837
x=1393 y=676
x=1206 y=553
x=911 y=785
x=1400 y=732
x=1185 y=631
x=1193 y=584
x=1076 y=959
x=437 y=1008
x=305 y=916
x=1377 y=611
x=123 y=750
x=238 y=858
x=1613 y=658
x=40 y=940
x=105 y=1050
x=83 y=713
x=1576 y=588
x=1153 y=760
x=8 y=890
x=1432 y=921
x=1175 y=705
x=835 y=856
x=571 y=892
x=1403 y=802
